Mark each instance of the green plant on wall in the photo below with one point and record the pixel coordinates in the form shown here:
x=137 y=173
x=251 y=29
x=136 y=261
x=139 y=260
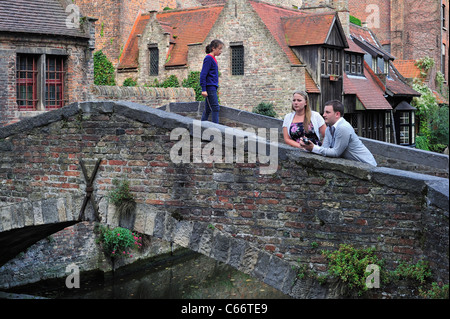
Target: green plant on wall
x=265 y=109
x=349 y=265
x=193 y=81
x=124 y=202
x=119 y=242
x=103 y=70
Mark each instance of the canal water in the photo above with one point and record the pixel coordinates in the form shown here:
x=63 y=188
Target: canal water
x=189 y=276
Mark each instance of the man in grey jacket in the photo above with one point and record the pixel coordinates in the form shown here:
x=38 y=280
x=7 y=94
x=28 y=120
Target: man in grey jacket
x=340 y=137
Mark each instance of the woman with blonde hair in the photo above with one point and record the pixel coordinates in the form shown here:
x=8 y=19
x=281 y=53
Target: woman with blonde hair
x=302 y=122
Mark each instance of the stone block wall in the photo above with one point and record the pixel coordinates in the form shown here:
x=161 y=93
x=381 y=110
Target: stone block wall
x=309 y=199
x=150 y=96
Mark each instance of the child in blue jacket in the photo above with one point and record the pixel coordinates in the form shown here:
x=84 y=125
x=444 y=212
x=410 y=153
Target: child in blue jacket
x=209 y=80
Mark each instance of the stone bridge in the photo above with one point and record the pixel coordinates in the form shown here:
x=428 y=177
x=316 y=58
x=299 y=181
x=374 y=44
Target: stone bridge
x=262 y=222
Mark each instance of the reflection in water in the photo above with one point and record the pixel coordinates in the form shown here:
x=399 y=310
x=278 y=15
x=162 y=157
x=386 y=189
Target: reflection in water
x=191 y=277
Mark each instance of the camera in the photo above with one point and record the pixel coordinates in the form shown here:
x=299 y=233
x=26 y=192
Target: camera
x=306 y=140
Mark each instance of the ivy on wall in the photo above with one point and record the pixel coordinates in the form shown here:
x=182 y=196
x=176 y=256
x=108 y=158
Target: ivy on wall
x=103 y=70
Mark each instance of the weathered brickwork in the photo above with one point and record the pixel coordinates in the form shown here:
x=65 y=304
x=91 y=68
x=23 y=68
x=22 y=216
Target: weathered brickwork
x=309 y=199
x=78 y=66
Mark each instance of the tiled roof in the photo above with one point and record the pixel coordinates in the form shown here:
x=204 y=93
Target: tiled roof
x=368 y=89
x=394 y=84
x=37 y=16
x=185 y=27
x=361 y=34
x=311 y=86
x=271 y=16
x=129 y=57
x=353 y=47
x=308 y=29
x=407 y=68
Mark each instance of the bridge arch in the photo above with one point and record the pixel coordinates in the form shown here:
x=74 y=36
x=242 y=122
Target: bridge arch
x=206 y=239
x=23 y=224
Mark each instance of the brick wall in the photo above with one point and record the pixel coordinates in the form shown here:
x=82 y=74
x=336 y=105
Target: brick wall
x=377 y=15
x=78 y=67
x=309 y=199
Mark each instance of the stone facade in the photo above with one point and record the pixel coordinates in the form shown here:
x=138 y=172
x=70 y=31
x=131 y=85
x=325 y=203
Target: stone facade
x=149 y=96
x=269 y=75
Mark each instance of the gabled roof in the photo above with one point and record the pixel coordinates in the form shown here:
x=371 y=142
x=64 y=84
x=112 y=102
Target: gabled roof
x=310 y=29
x=367 y=42
x=369 y=90
x=186 y=26
x=272 y=16
x=129 y=57
x=395 y=86
x=37 y=17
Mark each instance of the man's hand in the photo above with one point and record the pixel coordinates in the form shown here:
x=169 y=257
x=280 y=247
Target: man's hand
x=309 y=147
x=204 y=93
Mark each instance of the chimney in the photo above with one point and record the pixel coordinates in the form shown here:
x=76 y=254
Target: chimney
x=152 y=14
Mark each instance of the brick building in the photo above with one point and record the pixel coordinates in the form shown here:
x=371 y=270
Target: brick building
x=257 y=65
x=409 y=29
x=45 y=57
x=269 y=52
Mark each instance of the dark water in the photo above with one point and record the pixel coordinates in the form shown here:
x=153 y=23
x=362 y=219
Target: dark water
x=191 y=276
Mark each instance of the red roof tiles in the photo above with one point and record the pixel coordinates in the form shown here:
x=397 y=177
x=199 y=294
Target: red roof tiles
x=184 y=26
x=308 y=29
x=187 y=27
x=407 y=68
x=271 y=16
x=368 y=90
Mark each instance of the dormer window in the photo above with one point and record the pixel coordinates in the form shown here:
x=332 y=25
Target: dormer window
x=354 y=64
